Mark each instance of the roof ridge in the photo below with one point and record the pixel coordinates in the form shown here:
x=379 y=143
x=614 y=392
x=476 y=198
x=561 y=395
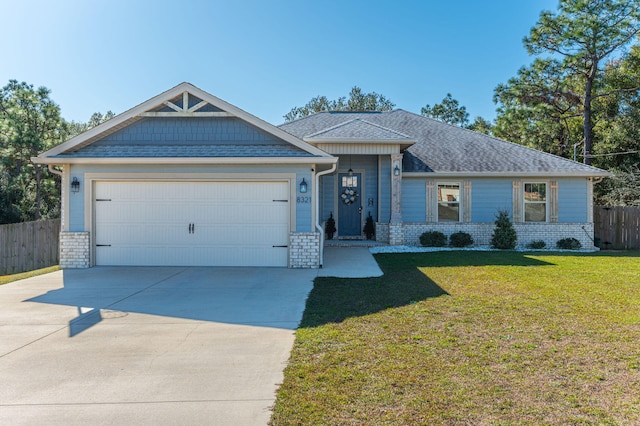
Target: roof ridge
x=385 y=128
x=344 y=123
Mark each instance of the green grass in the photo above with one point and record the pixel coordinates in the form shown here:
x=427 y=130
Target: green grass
x=4 y=279
x=478 y=338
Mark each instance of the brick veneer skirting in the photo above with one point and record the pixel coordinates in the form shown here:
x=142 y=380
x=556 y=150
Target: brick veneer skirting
x=74 y=250
x=550 y=233
x=304 y=250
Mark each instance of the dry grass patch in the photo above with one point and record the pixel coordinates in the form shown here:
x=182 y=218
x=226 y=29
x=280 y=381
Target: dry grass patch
x=471 y=338
x=4 y=279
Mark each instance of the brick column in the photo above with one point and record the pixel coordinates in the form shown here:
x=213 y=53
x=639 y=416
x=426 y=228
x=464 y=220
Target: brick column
x=74 y=250
x=396 y=234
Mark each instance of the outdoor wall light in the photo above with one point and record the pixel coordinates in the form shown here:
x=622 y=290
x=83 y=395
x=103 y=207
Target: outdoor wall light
x=303 y=186
x=75 y=185
x=396 y=171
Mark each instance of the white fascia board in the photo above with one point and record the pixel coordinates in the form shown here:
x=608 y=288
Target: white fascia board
x=187 y=160
x=359 y=140
x=437 y=175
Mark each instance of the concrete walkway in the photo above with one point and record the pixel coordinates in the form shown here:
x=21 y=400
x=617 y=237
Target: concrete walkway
x=349 y=262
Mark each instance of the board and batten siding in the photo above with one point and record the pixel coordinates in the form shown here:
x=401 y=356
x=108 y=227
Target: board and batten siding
x=413 y=200
x=488 y=196
x=327 y=197
x=572 y=200
x=385 y=189
x=303 y=210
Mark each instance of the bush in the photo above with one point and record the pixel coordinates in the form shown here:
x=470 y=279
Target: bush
x=537 y=244
x=433 y=239
x=369 y=228
x=568 y=244
x=330 y=227
x=460 y=239
x=504 y=235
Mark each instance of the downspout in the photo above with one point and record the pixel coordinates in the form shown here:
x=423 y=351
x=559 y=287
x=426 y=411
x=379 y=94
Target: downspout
x=316 y=192
x=54 y=171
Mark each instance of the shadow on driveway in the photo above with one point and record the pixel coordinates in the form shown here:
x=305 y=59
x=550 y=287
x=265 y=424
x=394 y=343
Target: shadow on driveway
x=267 y=297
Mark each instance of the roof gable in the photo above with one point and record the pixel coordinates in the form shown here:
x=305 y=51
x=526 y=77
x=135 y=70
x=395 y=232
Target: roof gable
x=184 y=101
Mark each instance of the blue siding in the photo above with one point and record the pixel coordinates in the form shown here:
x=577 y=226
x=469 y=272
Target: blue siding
x=572 y=200
x=327 y=197
x=190 y=131
x=368 y=163
x=76 y=203
x=488 y=196
x=385 y=188
x=304 y=209
x=414 y=200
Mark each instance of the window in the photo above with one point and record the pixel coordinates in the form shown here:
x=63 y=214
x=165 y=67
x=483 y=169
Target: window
x=449 y=202
x=349 y=181
x=535 y=202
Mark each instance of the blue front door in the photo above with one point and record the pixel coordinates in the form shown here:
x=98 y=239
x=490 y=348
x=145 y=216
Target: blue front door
x=349 y=204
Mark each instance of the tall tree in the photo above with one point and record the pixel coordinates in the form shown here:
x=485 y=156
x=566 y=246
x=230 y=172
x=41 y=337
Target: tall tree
x=29 y=123
x=75 y=127
x=481 y=125
x=583 y=33
x=357 y=101
x=449 y=111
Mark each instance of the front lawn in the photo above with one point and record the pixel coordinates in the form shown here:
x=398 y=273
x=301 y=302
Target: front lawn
x=477 y=338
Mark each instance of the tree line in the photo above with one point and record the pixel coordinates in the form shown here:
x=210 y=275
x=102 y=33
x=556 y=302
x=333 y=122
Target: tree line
x=579 y=99
x=30 y=123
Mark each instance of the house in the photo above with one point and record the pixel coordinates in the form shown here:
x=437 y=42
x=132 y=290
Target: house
x=186 y=178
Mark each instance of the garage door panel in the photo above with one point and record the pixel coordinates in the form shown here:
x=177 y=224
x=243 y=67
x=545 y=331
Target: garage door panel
x=236 y=223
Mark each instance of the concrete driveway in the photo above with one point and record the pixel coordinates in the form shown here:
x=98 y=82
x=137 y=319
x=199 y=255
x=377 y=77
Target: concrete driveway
x=121 y=345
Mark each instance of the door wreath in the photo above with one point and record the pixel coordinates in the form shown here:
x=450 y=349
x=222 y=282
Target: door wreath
x=349 y=196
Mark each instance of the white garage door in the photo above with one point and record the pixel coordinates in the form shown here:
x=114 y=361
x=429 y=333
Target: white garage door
x=192 y=223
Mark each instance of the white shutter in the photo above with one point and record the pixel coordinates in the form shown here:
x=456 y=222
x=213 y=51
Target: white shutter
x=517 y=201
x=553 y=201
x=431 y=203
x=466 y=201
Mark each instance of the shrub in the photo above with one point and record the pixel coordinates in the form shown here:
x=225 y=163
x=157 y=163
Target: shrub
x=433 y=239
x=504 y=235
x=568 y=244
x=537 y=244
x=369 y=228
x=330 y=227
x=460 y=239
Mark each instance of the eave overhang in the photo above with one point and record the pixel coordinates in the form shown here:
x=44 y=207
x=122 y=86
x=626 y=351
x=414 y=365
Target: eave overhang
x=514 y=175
x=186 y=160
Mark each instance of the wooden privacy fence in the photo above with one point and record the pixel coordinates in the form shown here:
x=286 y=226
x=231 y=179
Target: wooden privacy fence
x=617 y=228
x=28 y=246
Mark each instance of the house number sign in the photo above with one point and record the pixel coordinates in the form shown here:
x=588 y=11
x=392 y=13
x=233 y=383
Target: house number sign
x=303 y=200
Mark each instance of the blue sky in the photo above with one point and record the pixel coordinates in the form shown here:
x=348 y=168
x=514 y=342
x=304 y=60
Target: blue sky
x=265 y=56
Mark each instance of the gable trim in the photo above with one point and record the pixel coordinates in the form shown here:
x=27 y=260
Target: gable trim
x=187 y=160
x=136 y=113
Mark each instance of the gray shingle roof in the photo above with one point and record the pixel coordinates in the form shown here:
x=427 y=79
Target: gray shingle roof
x=444 y=148
x=186 y=150
x=358 y=128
